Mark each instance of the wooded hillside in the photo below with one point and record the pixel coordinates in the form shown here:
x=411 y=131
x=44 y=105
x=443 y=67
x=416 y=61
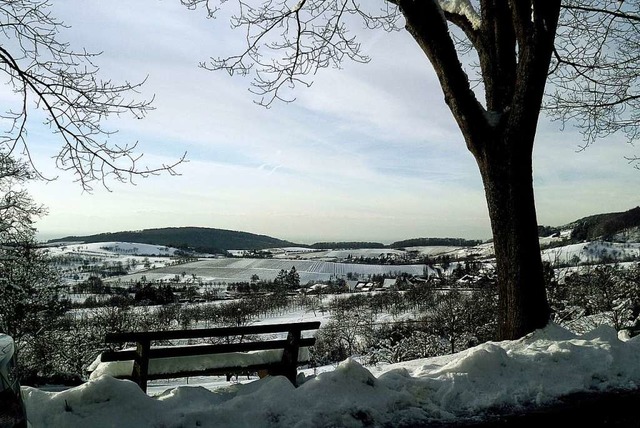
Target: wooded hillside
x=201 y=239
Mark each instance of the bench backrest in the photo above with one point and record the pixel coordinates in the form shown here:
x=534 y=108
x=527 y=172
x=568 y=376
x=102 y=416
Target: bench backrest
x=294 y=329
x=144 y=352
x=210 y=332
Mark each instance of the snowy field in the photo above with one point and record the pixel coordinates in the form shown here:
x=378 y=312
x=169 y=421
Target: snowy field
x=159 y=263
x=242 y=269
x=74 y=260
x=111 y=249
x=534 y=370
x=591 y=252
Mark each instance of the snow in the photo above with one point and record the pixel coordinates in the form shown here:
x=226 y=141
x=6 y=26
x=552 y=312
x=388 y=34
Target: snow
x=481 y=251
x=363 y=252
x=534 y=370
x=242 y=269
x=111 y=248
x=464 y=8
x=192 y=363
x=592 y=252
x=75 y=260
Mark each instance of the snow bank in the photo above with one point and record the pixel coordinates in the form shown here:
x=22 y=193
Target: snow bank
x=534 y=370
x=192 y=363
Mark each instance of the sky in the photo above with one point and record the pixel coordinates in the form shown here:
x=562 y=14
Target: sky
x=368 y=153
x=509 y=376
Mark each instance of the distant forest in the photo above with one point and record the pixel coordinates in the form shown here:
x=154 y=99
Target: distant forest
x=604 y=226
x=436 y=242
x=346 y=245
x=199 y=239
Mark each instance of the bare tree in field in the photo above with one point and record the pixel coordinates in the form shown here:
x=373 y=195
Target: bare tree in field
x=46 y=73
x=588 y=48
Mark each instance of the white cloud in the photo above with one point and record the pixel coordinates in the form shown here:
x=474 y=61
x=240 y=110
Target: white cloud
x=368 y=152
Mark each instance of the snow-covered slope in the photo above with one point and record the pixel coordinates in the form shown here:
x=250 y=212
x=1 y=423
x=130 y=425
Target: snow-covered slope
x=109 y=249
x=592 y=252
x=496 y=375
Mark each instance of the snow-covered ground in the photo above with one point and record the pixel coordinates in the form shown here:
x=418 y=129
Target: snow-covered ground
x=534 y=370
x=158 y=263
x=110 y=248
x=242 y=269
x=481 y=251
x=592 y=252
x=78 y=261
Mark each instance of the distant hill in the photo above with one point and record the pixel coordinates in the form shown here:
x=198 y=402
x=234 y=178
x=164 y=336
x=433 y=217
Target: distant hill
x=604 y=226
x=436 y=242
x=345 y=245
x=201 y=239
x=209 y=240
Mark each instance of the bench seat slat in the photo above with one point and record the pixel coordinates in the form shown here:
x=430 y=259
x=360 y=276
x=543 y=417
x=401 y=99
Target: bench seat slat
x=204 y=349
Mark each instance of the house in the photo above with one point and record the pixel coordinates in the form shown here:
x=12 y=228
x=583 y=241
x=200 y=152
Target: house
x=317 y=287
x=351 y=285
x=364 y=286
x=389 y=283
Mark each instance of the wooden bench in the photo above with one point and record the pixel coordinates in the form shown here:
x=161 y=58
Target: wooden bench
x=248 y=340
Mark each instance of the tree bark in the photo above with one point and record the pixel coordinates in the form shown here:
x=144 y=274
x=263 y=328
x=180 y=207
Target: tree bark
x=507 y=175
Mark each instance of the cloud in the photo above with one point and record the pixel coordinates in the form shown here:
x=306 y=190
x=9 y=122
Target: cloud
x=368 y=152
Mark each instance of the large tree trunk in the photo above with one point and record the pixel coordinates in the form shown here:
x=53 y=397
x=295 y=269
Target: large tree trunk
x=508 y=182
x=514 y=42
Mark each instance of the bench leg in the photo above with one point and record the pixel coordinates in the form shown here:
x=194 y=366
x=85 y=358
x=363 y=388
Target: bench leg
x=290 y=372
x=141 y=364
x=289 y=367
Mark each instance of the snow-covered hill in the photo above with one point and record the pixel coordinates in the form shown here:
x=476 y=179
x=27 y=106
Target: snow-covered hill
x=592 y=252
x=78 y=261
x=109 y=249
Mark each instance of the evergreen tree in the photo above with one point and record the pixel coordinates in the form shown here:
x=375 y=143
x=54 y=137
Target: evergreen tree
x=293 y=279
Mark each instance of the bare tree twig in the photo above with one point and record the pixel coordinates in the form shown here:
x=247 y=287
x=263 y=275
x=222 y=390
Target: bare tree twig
x=286 y=43
x=65 y=85
x=593 y=81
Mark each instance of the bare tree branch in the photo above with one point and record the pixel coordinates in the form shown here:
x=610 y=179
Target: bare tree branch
x=288 y=41
x=594 y=77
x=64 y=84
x=592 y=83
